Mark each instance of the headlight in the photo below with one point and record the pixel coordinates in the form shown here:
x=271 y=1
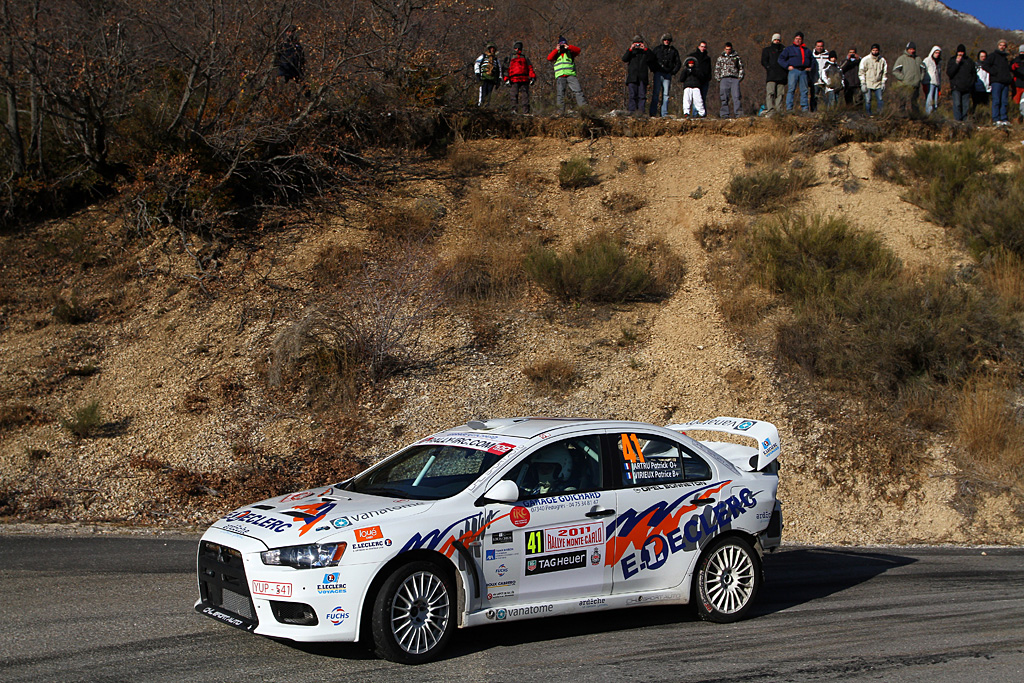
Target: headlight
x=311 y=556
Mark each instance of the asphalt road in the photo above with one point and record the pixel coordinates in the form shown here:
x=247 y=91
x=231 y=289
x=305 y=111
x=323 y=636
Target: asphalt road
x=120 y=609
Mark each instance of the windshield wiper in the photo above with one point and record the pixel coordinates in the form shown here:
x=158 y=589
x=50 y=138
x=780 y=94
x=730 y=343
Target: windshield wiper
x=385 y=491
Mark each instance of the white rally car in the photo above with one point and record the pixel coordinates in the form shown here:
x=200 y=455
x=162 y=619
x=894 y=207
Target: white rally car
x=501 y=520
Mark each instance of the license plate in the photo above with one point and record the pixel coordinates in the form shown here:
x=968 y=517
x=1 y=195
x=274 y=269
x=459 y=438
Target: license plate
x=272 y=588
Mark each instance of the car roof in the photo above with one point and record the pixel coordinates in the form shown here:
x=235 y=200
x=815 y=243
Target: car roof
x=531 y=427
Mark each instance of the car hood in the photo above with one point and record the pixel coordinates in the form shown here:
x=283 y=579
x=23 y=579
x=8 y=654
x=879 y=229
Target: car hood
x=313 y=515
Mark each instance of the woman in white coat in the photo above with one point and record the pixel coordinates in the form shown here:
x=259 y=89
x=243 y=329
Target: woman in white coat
x=933 y=64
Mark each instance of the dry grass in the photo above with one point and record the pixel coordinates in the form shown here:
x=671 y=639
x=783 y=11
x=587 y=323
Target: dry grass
x=990 y=432
x=624 y=202
x=71 y=310
x=404 y=224
x=576 y=173
x=552 y=375
x=336 y=262
x=775 y=151
x=1004 y=274
x=465 y=161
x=768 y=188
x=17 y=414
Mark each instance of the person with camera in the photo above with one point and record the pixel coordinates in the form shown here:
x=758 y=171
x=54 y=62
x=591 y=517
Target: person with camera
x=563 y=58
x=638 y=62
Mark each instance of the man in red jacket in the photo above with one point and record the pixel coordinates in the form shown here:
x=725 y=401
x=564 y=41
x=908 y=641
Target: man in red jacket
x=519 y=75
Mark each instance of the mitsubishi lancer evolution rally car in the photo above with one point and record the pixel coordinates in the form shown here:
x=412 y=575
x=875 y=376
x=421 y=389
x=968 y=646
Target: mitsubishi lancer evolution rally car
x=502 y=520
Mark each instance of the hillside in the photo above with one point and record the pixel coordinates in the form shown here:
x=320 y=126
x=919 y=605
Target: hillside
x=183 y=367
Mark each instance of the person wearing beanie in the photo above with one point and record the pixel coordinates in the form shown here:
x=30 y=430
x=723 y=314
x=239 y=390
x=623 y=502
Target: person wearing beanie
x=908 y=72
x=638 y=64
x=832 y=77
x=563 y=59
x=729 y=73
x=851 y=75
x=519 y=76
x=488 y=71
x=933 y=72
x=776 y=76
x=665 y=63
x=961 y=72
x=997 y=64
x=796 y=59
x=872 y=75
x=1017 y=67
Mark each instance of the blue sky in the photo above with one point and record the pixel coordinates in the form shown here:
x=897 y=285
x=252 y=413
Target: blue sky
x=995 y=13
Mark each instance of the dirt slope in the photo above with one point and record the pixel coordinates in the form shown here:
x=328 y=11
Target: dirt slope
x=181 y=376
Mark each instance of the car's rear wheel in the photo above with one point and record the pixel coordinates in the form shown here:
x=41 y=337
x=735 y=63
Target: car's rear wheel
x=413 y=616
x=728 y=579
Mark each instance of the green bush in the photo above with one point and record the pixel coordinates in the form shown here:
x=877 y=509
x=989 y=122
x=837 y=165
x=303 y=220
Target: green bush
x=948 y=172
x=602 y=269
x=576 y=173
x=767 y=189
x=85 y=421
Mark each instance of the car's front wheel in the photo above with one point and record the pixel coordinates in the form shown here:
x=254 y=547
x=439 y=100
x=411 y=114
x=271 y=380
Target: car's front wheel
x=728 y=578
x=413 y=615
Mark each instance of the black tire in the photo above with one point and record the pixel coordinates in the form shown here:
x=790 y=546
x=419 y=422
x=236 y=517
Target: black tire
x=414 y=614
x=727 y=581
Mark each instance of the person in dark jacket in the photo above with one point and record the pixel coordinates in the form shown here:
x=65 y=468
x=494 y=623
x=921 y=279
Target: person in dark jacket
x=729 y=72
x=962 y=75
x=290 y=58
x=665 y=63
x=690 y=78
x=997 y=64
x=638 y=63
x=1017 y=67
x=775 y=77
x=519 y=76
x=703 y=68
x=796 y=59
x=851 y=75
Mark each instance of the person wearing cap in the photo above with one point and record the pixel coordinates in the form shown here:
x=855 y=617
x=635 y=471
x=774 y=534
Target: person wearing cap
x=933 y=68
x=796 y=59
x=775 y=76
x=638 y=65
x=872 y=75
x=729 y=73
x=665 y=63
x=1017 y=67
x=908 y=72
x=289 y=57
x=563 y=59
x=961 y=72
x=488 y=71
x=851 y=75
x=997 y=64
x=519 y=76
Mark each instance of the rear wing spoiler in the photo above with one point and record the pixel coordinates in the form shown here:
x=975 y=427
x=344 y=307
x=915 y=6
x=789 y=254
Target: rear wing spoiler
x=765 y=434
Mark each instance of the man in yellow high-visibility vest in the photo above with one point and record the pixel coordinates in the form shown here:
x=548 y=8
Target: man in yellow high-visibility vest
x=564 y=59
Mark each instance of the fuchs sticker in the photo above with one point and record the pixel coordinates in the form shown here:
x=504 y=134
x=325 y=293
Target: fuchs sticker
x=520 y=516
x=370 y=533
x=501 y=537
x=556 y=563
x=273 y=589
x=337 y=615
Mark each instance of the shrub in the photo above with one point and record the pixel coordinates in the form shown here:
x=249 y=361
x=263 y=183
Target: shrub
x=775 y=151
x=768 y=188
x=602 y=269
x=336 y=262
x=71 y=310
x=86 y=420
x=575 y=173
x=987 y=213
x=486 y=264
x=888 y=165
x=16 y=414
x=552 y=375
x=404 y=224
x=624 y=202
x=1004 y=274
x=466 y=162
x=948 y=172
x=990 y=432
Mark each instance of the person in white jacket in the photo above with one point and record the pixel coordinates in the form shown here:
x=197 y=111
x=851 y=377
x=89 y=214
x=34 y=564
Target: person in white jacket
x=873 y=71
x=933 y=65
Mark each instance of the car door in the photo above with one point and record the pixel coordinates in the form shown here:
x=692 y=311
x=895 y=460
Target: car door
x=551 y=544
x=664 y=487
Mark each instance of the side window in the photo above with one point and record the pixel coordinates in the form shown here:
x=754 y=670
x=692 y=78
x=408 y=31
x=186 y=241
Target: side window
x=649 y=460
x=568 y=466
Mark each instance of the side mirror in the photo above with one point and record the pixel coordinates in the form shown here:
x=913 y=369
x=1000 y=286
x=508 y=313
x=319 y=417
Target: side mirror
x=505 y=491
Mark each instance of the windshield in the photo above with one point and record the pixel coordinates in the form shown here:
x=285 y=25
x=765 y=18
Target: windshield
x=426 y=472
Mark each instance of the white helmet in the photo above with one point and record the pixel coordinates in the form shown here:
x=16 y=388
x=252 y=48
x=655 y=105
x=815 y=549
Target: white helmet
x=556 y=454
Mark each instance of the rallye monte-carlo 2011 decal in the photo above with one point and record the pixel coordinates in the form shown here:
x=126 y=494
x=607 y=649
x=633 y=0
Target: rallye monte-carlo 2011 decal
x=656 y=532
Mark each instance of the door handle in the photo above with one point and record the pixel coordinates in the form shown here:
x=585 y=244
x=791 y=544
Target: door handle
x=703 y=501
x=600 y=512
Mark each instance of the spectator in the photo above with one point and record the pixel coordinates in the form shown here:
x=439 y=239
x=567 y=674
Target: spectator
x=933 y=66
x=820 y=57
x=519 y=75
x=289 y=57
x=729 y=73
x=488 y=71
x=851 y=75
x=564 y=58
x=775 y=76
x=961 y=81
x=997 y=64
x=690 y=78
x=832 y=75
x=982 y=86
x=909 y=72
x=1017 y=67
x=796 y=59
x=638 y=64
x=665 y=63
x=872 y=78
x=703 y=68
